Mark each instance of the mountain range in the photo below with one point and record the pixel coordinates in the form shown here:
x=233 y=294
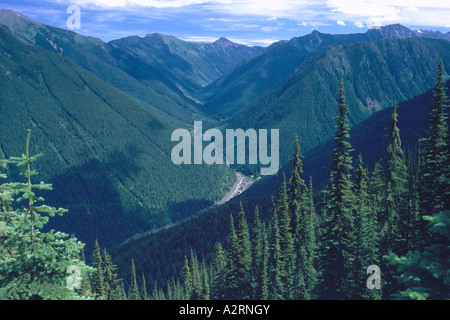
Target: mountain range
x=103 y=113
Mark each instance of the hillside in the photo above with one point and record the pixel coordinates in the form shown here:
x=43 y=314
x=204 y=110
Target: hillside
x=106 y=154
x=368 y=137
x=305 y=102
x=163 y=71
x=190 y=66
x=252 y=77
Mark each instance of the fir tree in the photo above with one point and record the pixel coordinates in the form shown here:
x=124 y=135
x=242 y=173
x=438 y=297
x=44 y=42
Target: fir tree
x=110 y=277
x=143 y=292
x=337 y=256
x=33 y=263
x=411 y=226
x=188 y=282
x=258 y=256
x=435 y=193
x=297 y=187
x=244 y=257
x=275 y=284
x=423 y=275
x=395 y=186
x=219 y=268
x=365 y=235
x=286 y=241
x=232 y=279
x=265 y=261
x=133 y=293
x=97 y=279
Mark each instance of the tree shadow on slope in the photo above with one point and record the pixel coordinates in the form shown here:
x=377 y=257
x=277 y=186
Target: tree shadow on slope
x=97 y=209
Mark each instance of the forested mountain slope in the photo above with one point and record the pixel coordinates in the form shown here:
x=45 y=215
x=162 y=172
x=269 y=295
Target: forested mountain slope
x=107 y=156
x=200 y=233
x=163 y=71
x=376 y=75
x=367 y=137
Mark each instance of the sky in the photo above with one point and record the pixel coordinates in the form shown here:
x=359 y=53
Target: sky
x=250 y=22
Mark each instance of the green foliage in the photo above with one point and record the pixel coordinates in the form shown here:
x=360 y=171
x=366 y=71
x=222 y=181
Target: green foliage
x=33 y=263
x=376 y=74
x=338 y=218
x=100 y=144
x=133 y=293
x=424 y=275
x=435 y=171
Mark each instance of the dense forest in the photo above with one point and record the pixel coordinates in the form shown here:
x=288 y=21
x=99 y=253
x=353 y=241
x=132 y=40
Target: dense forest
x=306 y=244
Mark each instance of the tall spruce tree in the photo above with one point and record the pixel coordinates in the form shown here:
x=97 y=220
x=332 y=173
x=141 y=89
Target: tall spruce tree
x=286 y=241
x=274 y=266
x=435 y=193
x=188 y=282
x=232 y=279
x=411 y=225
x=302 y=211
x=110 y=277
x=257 y=247
x=244 y=257
x=394 y=212
x=395 y=189
x=34 y=264
x=365 y=239
x=143 y=291
x=133 y=293
x=97 y=278
x=337 y=256
x=218 y=277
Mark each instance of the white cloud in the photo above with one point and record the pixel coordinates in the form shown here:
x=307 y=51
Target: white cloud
x=382 y=12
x=340 y=22
x=359 y=24
x=143 y=3
x=270 y=29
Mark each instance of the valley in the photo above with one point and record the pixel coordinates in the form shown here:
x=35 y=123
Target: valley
x=105 y=116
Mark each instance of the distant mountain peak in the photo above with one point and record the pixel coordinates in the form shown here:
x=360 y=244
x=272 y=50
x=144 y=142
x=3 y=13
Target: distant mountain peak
x=394 y=31
x=224 y=42
x=10 y=16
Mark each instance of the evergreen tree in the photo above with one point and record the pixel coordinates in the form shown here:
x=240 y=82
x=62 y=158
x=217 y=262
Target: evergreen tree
x=435 y=193
x=411 y=225
x=275 y=284
x=337 y=255
x=143 y=293
x=392 y=237
x=365 y=235
x=188 y=282
x=206 y=292
x=265 y=261
x=395 y=186
x=110 y=277
x=34 y=264
x=301 y=206
x=244 y=257
x=133 y=293
x=197 y=285
x=286 y=241
x=219 y=269
x=297 y=187
x=97 y=279
x=232 y=279
x=258 y=256
x=423 y=275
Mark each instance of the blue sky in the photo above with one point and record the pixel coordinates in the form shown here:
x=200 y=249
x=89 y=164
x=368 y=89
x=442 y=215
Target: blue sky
x=251 y=22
